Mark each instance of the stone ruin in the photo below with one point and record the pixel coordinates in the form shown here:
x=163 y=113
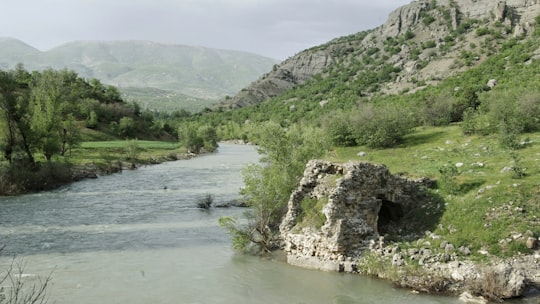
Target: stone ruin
x=361 y=202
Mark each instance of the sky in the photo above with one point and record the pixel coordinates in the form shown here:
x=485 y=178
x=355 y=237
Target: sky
x=272 y=28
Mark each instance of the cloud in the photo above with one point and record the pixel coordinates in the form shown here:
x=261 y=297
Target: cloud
x=275 y=28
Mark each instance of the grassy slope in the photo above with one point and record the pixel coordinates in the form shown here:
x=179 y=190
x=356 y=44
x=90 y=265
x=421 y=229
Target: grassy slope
x=488 y=205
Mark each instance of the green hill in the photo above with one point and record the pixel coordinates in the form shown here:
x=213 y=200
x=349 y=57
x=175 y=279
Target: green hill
x=202 y=73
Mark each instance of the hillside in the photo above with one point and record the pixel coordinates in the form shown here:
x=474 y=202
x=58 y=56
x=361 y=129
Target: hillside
x=445 y=92
x=420 y=44
x=186 y=74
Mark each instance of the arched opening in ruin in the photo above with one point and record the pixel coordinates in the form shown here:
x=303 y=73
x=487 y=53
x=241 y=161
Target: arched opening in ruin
x=389 y=216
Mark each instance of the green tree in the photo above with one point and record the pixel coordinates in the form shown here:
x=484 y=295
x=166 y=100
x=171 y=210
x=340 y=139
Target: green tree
x=382 y=126
x=71 y=134
x=209 y=137
x=126 y=126
x=14 y=108
x=92 y=120
x=188 y=136
x=46 y=123
x=268 y=185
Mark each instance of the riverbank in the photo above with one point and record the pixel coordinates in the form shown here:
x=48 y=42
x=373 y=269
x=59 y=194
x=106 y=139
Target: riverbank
x=379 y=224
x=20 y=179
x=451 y=271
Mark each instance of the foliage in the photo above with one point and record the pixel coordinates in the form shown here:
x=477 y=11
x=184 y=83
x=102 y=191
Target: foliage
x=383 y=126
x=42 y=111
x=240 y=235
x=449 y=172
x=518 y=171
x=269 y=185
x=312 y=215
x=507 y=114
x=196 y=138
x=132 y=150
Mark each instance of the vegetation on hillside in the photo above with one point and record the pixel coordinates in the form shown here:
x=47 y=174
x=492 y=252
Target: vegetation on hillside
x=486 y=115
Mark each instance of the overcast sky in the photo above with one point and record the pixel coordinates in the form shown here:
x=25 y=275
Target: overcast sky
x=273 y=28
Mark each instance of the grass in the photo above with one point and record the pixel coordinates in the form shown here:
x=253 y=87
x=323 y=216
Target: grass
x=136 y=151
x=100 y=156
x=312 y=216
x=143 y=144
x=486 y=205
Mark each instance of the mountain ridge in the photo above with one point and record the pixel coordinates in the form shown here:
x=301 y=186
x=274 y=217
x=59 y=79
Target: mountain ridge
x=196 y=71
x=420 y=43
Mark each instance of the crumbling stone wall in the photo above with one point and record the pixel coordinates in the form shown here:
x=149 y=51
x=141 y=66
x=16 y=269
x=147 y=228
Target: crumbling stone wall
x=359 y=196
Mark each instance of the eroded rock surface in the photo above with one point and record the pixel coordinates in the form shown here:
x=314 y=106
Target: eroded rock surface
x=360 y=200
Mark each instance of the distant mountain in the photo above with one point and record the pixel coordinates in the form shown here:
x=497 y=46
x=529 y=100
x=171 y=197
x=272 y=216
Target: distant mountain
x=177 y=71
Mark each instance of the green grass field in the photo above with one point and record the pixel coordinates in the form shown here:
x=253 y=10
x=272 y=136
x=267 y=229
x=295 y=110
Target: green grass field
x=121 y=144
x=485 y=199
x=136 y=151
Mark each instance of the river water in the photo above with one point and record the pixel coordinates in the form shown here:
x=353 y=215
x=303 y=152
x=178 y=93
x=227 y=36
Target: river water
x=137 y=237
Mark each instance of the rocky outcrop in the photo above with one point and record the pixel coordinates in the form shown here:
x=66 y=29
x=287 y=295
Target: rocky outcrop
x=360 y=201
x=291 y=72
x=519 y=15
x=511 y=11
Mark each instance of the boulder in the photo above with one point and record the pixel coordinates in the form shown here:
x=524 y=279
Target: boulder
x=531 y=243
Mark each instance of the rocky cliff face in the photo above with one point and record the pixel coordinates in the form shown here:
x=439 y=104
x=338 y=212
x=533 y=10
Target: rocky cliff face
x=428 y=57
x=360 y=201
x=512 y=12
x=293 y=71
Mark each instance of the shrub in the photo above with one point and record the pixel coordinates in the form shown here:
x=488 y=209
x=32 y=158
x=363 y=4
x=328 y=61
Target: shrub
x=340 y=132
x=132 y=150
x=475 y=122
x=436 y=110
x=92 y=120
x=428 y=19
x=466 y=98
x=15 y=289
x=429 y=44
x=269 y=185
x=529 y=108
x=408 y=35
x=448 y=178
x=381 y=127
x=518 y=171
x=482 y=31
x=205 y=202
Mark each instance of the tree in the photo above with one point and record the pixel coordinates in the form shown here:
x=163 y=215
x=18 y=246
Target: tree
x=268 y=185
x=14 y=106
x=209 y=137
x=188 y=136
x=7 y=109
x=92 y=120
x=126 y=126
x=71 y=134
x=46 y=122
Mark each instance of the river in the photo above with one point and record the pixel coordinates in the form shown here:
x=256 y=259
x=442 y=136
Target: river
x=138 y=237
